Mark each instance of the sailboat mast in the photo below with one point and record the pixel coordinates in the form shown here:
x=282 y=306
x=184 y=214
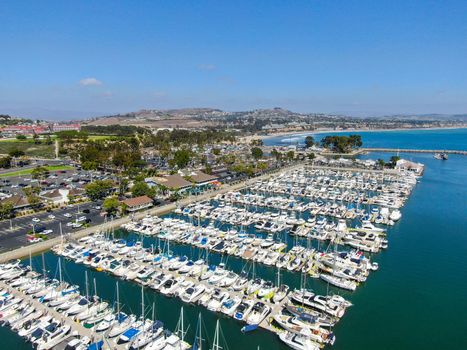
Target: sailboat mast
x=142 y=302
x=118 y=300
x=182 y=325
x=278 y=276
x=60 y=270
x=216 y=337
x=200 y=335
x=87 y=284
x=43 y=264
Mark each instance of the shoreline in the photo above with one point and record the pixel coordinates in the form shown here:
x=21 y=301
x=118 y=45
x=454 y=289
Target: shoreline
x=313 y=132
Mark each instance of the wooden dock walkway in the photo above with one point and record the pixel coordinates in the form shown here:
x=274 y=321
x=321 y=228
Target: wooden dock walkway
x=276 y=308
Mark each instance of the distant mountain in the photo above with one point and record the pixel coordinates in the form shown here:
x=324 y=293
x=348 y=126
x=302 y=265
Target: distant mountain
x=429 y=117
x=258 y=119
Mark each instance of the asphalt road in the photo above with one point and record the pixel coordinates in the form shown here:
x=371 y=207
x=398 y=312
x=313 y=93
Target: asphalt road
x=17 y=237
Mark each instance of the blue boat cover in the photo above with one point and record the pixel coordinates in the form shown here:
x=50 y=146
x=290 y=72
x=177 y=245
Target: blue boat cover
x=96 y=346
x=249 y=327
x=130 y=333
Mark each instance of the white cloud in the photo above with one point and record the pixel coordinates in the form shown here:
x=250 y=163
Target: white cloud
x=207 y=67
x=90 y=82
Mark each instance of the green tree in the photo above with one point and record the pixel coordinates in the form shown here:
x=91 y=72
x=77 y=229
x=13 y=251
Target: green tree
x=36 y=139
x=216 y=151
x=32 y=196
x=141 y=188
x=394 y=160
x=276 y=154
x=311 y=156
x=309 y=141
x=15 y=152
x=39 y=172
x=256 y=152
x=5 y=162
x=21 y=137
x=181 y=158
x=89 y=165
x=381 y=163
x=342 y=144
x=290 y=155
x=98 y=189
x=111 y=204
x=48 y=140
x=123 y=186
x=6 y=209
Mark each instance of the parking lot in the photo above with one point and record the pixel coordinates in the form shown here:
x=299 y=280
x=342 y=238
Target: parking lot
x=13 y=233
x=74 y=178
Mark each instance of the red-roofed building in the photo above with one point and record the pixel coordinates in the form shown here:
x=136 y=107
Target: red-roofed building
x=138 y=203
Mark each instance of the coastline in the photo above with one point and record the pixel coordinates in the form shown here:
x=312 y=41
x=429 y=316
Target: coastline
x=314 y=132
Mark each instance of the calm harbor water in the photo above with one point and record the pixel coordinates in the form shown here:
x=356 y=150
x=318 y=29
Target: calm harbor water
x=411 y=139
x=417 y=299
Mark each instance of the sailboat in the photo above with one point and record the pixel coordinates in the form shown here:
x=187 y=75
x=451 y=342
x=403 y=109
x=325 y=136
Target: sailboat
x=136 y=327
x=215 y=344
x=198 y=342
x=119 y=322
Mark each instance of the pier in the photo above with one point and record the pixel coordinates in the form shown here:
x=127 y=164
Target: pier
x=275 y=308
x=77 y=329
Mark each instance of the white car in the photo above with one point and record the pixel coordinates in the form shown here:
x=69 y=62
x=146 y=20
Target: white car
x=36 y=220
x=51 y=216
x=69 y=224
x=81 y=218
x=76 y=224
x=47 y=232
x=67 y=215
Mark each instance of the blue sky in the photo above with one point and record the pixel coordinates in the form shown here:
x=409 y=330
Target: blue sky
x=64 y=59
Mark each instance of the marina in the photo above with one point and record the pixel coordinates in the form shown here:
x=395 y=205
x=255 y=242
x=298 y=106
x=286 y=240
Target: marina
x=203 y=231
x=301 y=318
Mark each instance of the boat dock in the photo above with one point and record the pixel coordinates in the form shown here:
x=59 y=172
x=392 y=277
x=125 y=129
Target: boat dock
x=77 y=329
x=276 y=308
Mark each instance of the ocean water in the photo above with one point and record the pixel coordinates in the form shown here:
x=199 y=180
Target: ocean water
x=452 y=139
x=416 y=300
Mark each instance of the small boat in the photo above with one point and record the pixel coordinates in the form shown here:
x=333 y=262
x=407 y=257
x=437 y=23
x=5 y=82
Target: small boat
x=258 y=313
x=249 y=328
x=298 y=342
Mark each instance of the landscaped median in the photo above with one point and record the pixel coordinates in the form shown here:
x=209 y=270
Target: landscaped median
x=30 y=170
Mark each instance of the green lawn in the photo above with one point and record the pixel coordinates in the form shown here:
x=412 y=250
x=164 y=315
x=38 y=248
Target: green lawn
x=28 y=147
x=99 y=137
x=29 y=171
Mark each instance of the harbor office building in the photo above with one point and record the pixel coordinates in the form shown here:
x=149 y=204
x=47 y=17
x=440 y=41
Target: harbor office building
x=193 y=182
